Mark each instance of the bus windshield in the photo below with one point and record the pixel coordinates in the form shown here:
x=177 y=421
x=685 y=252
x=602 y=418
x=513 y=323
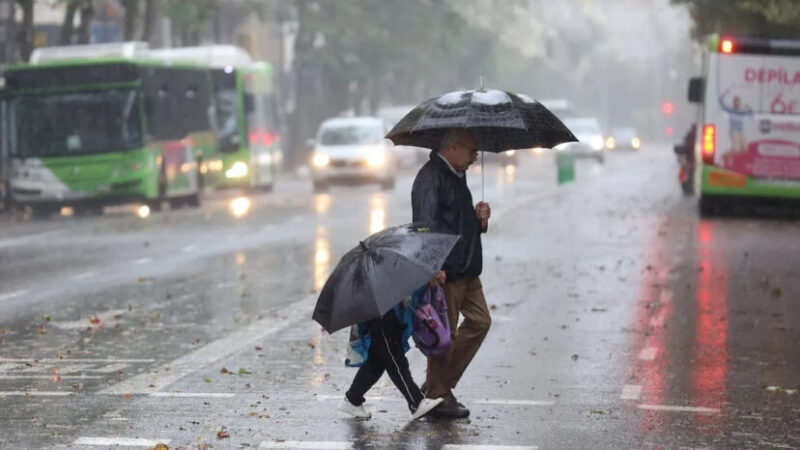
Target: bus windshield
x=75 y=123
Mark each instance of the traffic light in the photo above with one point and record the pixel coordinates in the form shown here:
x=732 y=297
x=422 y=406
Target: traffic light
x=667 y=108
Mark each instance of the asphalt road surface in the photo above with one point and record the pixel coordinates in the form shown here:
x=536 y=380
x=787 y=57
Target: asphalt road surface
x=621 y=320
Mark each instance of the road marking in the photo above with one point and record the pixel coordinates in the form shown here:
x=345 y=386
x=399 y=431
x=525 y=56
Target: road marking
x=120 y=441
x=48 y=377
x=34 y=393
x=648 y=353
x=143 y=260
x=64 y=360
x=188 y=248
x=191 y=395
x=475 y=401
x=112 y=368
x=698 y=409
x=515 y=402
x=212 y=352
x=317 y=445
x=11 y=295
x=631 y=392
x=488 y=447
x=83 y=275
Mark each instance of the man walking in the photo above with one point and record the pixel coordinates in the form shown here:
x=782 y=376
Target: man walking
x=440 y=195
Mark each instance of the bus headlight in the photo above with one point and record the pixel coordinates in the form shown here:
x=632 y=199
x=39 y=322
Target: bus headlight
x=321 y=160
x=636 y=143
x=237 y=170
x=377 y=159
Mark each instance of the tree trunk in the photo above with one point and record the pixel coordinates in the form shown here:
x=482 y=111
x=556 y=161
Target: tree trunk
x=27 y=31
x=298 y=126
x=84 y=30
x=131 y=13
x=68 y=27
x=149 y=20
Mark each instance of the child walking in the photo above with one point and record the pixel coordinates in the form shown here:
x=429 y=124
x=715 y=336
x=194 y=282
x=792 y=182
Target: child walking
x=387 y=346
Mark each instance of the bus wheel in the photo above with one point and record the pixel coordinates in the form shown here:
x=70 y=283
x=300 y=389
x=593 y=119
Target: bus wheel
x=88 y=210
x=708 y=207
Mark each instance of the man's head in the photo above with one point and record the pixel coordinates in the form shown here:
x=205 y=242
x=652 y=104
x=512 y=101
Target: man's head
x=460 y=148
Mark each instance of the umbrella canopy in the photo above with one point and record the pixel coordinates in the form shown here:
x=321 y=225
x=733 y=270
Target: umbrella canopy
x=501 y=120
x=379 y=273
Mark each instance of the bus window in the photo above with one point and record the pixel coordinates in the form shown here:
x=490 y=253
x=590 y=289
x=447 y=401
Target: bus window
x=226 y=98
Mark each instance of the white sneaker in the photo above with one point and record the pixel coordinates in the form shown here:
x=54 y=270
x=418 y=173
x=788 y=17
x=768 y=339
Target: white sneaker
x=426 y=406
x=356 y=411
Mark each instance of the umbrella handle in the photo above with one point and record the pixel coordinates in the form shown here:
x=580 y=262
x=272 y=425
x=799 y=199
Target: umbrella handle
x=483 y=180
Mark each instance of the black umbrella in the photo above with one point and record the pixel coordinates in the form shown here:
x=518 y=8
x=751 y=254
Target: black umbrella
x=501 y=120
x=379 y=273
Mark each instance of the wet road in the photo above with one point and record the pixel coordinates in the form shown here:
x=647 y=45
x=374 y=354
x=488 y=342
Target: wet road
x=620 y=321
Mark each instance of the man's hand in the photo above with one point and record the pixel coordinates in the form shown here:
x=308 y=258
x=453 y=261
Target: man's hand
x=439 y=280
x=483 y=211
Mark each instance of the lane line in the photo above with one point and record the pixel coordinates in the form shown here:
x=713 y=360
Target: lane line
x=631 y=392
x=191 y=395
x=316 y=445
x=73 y=360
x=188 y=248
x=488 y=447
x=648 y=353
x=515 y=402
x=120 y=441
x=11 y=295
x=34 y=393
x=111 y=368
x=212 y=352
x=143 y=260
x=82 y=324
x=697 y=409
x=506 y=402
x=49 y=377
x=83 y=275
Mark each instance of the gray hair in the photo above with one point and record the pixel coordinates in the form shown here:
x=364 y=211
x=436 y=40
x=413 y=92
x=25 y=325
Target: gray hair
x=455 y=136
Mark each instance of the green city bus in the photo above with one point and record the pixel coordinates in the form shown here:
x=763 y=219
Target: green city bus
x=87 y=130
x=248 y=151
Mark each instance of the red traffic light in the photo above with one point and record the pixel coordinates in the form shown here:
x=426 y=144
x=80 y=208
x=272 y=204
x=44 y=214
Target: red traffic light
x=667 y=108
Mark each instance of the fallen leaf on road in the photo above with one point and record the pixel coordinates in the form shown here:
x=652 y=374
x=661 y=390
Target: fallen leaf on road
x=777 y=292
x=94 y=320
x=243 y=371
x=224 y=370
x=159 y=446
x=208 y=380
x=258 y=348
x=223 y=434
x=127 y=396
x=575 y=357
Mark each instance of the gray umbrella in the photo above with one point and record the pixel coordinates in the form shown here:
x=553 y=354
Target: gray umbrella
x=379 y=273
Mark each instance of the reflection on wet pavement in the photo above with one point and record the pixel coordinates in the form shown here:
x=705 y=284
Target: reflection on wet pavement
x=377 y=213
x=322 y=202
x=322 y=257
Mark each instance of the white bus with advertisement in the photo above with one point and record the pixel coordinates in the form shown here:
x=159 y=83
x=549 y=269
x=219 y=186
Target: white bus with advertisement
x=748 y=124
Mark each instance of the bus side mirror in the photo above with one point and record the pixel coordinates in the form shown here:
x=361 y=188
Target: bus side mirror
x=696 y=90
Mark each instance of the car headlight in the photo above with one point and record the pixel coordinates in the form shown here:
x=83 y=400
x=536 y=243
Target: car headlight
x=510 y=153
x=237 y=170
x=611 y=143
x=636 y=143
x=377 y=159
x=596 y=142
x=321 y=160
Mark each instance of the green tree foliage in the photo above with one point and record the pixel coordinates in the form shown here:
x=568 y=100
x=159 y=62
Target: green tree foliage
x=764 y=18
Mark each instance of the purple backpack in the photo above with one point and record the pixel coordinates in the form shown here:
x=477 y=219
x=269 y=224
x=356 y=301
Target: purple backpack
x=431 y=327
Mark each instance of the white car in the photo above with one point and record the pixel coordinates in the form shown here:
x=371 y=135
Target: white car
x=407 y=156
x=588 y=132
x=353 y=149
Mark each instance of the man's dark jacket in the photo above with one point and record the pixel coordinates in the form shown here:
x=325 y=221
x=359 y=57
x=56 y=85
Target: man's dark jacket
x=441 y=197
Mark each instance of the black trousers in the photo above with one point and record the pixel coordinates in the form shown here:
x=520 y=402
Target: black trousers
x=385 y=355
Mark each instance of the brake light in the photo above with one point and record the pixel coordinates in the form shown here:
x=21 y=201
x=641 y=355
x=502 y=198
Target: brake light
x=726 y=46
x=709 y=143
